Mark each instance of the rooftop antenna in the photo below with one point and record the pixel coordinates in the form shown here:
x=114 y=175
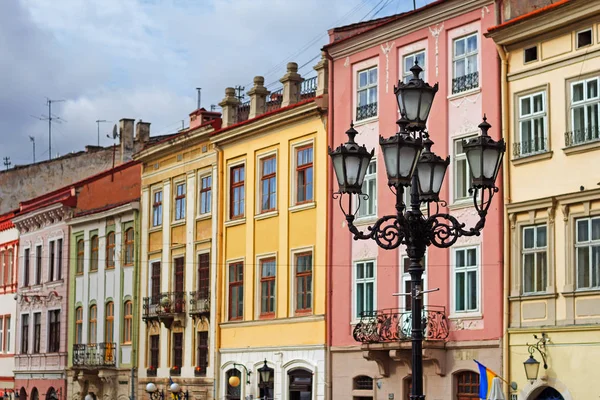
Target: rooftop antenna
x=114 y=137
x=199 y=90
x=32 y=139
x=50 y=117
x=240 y=92
x=98 y=121
x=7 y=162
x=213 y=107
x=414 y=4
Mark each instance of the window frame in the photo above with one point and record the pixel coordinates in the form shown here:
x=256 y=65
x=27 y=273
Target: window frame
x=235 y=284
x=477 y=268
x=356 y=281
x=109 y=322
x=39 y=252
x=591 y=30
x=26 y=266
x=406 y=73
x=111 y=240
x=25 y=324
x=535 y=250
x=37 y=334
x=466 y=54
x=368 y=88
x=271 y=281
x=93 y=324
x=157 y=208
x=590 y=243
x=94 y=251
x=80 y=252
x=537 y=50
x=54 y=337
x=301 y=169
x=79 y=325
x=474 y=392
x=7 y=333
x=153 y=352
x=585 y=103
x=127 y=322
x=531 y=118
x=51 y=261
x=461 y=157
x=205 y=194
x=202 y=351
x=177 y=352
x=179 y=201
x=129 y=247
x=239 y=185
x=272 y=195
x=304 y=274
x=371 y=202
x=405 y=302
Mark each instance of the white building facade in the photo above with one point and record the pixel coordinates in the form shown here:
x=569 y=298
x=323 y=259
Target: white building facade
x=9 y=250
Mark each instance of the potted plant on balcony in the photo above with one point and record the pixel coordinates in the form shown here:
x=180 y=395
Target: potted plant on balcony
x=175 y=370
x=165 y=303
x=199 y=371
x=151 y=371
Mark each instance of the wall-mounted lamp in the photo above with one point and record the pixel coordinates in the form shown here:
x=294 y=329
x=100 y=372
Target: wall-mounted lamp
x=234 y=381
x=532 y=366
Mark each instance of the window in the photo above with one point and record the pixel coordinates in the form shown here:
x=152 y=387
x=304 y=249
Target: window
x=467 y=385
x=7 y=333
x=34 y=394
x=585 y=104
x=37 y=332
x=180 y=201
x=233 y=392
x=80 y=254
x=94 y=254
x=304 y=174
x=110 y=250
x=129 y=242
x=268 y=273
x=304 y=286
x=406 y=279
x=9 y=268
x=588 y=253
x=368 y=206
x=462 y=172
x=154 y=350
x=265 y=389
x=236 y=291
x=2 y=342
x=584 y=38
x=532 y=124
x=530 y=54
x=26 y=267
x=409 y=61
x=534 y=259
x=300 y=384
x=205 y=194
x=466 y=280
x=177 y=350
x=59 y=259
x=203 y=276
x=51 y=262
x=109 y=324
x=157 y=208
x=93 y=324
x=366 y=94
x=202 y=352
x=38 y=265
x=127 y=322
x=155 y=283
x=3 y=264
x=24 y=333
x=466 y=72
x=364 y=287
x=268 y=184
x=79 y=325
x=54 y=332
x=407 y=383
x=362 y=383
x=237 y=196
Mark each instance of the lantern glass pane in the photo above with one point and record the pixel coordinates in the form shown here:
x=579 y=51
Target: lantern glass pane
x=424 y=175
x=439 y=172
x=426 y=102
x=407 y=158
x=412 y=99
x=338 y=167
x=401 y=106
x=352 y=168
x=490 y=161
x=363 y=170
x=390 y=156
x=474 y=160
x=531 y=368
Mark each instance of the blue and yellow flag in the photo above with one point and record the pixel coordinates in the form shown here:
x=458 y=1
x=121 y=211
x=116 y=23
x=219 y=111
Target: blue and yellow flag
x=485 y=380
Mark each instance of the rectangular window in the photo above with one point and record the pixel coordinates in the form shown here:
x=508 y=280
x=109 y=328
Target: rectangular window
x=155 y=282
x=9 y=268
x=464 y=60
x=466 y=280
x=588 y=253
x=54 y=331
x=110 y=250
x=59 y=259
x=535 y=265
x=530 y=54
x=406 y=279
x=94 y=244
x=268 y=184
x=236 y=291
x=3 y=263
x=203 y=276
x=202 y=353
x=157 y=208
x=304 y=174
x=366 y=94
x=585 y=110
x=532 y=124
x=177 y=350
x=179 y=271
x=409 y=62
x=304 y=282
x=24 y=333
x=26 y=267
x=179 y=201
x=51 y=262
x=93 y=325
x=154 y=350
x=237 y=195
x=364 y=287
x=368 y=203
x=37 y=332
x=7 y=333
x=205 y=194
x=268 y=269
x=38 y=265
x=584 y=38
x=2 y=342
x=462 y=172
x=79 y=325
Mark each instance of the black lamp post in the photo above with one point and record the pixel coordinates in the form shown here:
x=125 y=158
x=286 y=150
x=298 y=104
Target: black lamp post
x=265 y=379
x=409 y=161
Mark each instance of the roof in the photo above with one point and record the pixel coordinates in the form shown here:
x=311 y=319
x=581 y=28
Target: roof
x=529 y=15
x=6 y=220
x=105 y=208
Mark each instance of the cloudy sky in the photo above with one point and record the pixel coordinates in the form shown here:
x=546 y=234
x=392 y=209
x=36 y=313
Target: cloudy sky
x=143 y=59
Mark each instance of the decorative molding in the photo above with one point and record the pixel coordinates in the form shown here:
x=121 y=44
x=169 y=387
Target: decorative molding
x=484 y=10
x=435 y=32
x=386 y=51
x=381 y=358
x=347 y=62
x=564 y=208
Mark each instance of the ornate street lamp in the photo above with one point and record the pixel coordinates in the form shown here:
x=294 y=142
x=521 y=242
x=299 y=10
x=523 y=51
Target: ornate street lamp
x=234 y=380
x=409 y=161
x=265 y=373
x=153 y=391
x=532 y=366
x=177 y=392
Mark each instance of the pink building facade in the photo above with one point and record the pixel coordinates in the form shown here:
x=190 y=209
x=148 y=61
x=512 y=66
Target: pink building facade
x=465 y=316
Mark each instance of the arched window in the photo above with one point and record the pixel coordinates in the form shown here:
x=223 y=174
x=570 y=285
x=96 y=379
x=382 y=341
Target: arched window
x=22 y=394
x=467 y=385
x=129 y=246
x=362 y=382
x=51 y=394
x=34 y=394
x=127 y=322
x=110 y=322
x=79 y=269
x=92 y=331
x=300 y=384
x=110 y=250
x=233 y=392
x=549 y=394
x=79 y=325
x=94 y=254
x=407 y=384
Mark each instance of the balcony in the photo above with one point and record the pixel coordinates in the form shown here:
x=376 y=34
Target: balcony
x=98 y=355
x=199 y=303
x=465 y=82
x=274 y=100
x=366 y=111
x=582 y=136
x=308 y=90
x=165 y=305
x=531 y=147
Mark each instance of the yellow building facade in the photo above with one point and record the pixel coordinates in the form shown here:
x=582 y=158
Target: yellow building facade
x=273 y=188
x=550 y=102
x=178 y=258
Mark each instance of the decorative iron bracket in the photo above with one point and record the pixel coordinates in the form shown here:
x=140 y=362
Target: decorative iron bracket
x=540 y=346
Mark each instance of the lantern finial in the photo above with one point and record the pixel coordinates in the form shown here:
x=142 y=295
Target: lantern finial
x=351 y=133
x=416 y=70
x=484 y=126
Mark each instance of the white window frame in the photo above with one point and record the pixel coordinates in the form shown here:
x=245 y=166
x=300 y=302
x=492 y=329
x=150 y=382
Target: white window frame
x=577 y=46
x=176 y=184
x=589 y=244
x=356 y=281
x=369 y=87
x=466 y=55
x=585 y=103
x=294 y=177
x=372 y=200
x=258 y=190
x=457 y=157
x=531 y=118
x=406 y=73
x=230 y=166
x=477 y=268
x=202 y=176
x=153 y=191
x=2 y=341
x=533 y=250
x=405 y=277
x=258 y=291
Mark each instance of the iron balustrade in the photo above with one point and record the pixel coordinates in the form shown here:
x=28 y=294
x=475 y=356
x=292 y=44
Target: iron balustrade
x=366 y=111
x=526 y=148
x=308 y=89
x=581 y=136
x=243 y=111
x=94 y=355
x=163 y=304
x=465 y=82
x=199 y=303
x=395 y=324
x=274 y=100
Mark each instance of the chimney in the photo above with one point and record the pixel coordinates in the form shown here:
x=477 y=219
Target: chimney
x=126 y=138
x=322 y=69
x=142 y=132
x=201 y=115
x=258 y=97
x=229 y=104
x=291 y=85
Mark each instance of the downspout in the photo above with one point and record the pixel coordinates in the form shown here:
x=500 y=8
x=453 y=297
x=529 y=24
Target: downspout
x=217 y=251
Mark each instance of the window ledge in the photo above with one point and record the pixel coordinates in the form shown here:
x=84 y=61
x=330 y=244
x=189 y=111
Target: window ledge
x=463 y=94
x=156 y=228
x=532 y=158
x=582 y=293
x=234 y=222
x=266 y=215
x=533 y=296
x=303 y=206
x=366 y=121
x=51 y=284
x=368 y=220
x=467 y=315
x=202 y=217
x=582 y=147
x=179 y=222
x=460 y=204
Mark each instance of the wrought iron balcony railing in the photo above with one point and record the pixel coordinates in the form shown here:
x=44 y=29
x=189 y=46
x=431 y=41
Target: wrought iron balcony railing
x=581 y=136
x=163 y=305
x=308 y=90
x=199 y=303
x=274 y=100
x=94 y=355
x=526 y=148
x=465 y=82
x=366 y=111
x=394 y=324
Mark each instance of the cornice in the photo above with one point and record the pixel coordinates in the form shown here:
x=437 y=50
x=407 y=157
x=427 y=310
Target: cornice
x=42 y=218
x=174 y=144
x=129 y=207
x=404 y=26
